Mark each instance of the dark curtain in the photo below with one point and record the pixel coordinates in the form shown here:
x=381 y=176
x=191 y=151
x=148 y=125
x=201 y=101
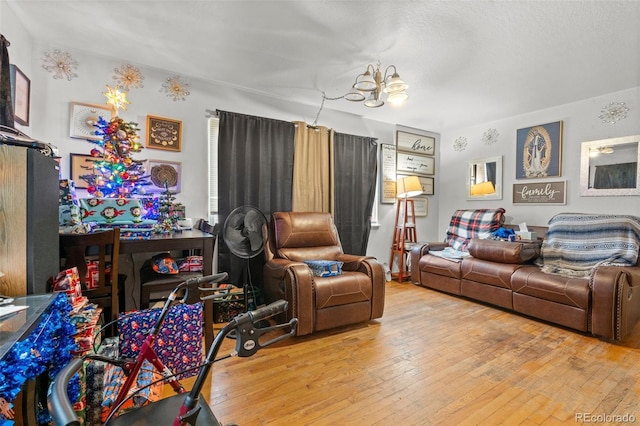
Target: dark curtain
x=614 y=176
x=355 y=186
x=255 y=168
x=6 y=106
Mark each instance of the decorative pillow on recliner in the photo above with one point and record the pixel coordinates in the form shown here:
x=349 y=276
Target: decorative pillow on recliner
x=503 y=251
x=468 y=224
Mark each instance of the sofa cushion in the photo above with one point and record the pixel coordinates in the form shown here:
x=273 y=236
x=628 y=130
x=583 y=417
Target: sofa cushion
x=576 y=243
x=570 y=291
x=504 y=251
x=468 y=224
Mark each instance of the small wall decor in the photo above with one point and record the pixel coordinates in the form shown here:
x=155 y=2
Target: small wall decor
x=175 y=88
x=128 y=77
x=83 y=118
x=427 y=184
x=490 y=136
x=613 y=112
x=460 y=144
x=415 y=164
x=420 y=206
x=540 y=193
x=164 y=172
x=61 y=64
x=539 y=151
x=418 y=144
x=20 y=95
x=164 y=133
x=81 y=164
x=388 y=174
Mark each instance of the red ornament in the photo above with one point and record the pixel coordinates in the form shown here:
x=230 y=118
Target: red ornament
x=95 y=152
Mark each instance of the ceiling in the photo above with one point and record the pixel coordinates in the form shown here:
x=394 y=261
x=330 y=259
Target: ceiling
x=466 y=62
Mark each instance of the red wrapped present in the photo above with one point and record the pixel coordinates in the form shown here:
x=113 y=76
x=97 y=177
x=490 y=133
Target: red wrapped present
x=191 y=264
x=68 y=281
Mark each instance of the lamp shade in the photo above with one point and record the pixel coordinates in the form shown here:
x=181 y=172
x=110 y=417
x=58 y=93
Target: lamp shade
x=483 y=188
x=408 y=187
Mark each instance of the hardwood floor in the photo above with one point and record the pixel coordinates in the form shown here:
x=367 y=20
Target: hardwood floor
x=432 y=359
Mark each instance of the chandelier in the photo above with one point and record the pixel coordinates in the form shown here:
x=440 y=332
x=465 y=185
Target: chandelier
x=373 y=83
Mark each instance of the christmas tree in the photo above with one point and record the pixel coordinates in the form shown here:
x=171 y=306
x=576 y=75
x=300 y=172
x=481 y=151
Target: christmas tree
x=168 y=212
x=115 y=174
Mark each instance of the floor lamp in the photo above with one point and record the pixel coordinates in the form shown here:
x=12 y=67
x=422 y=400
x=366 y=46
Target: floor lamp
x=405 y=226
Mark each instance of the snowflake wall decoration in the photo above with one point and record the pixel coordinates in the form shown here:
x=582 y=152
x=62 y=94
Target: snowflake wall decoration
x=128 y=77
x=61 y=64
x=175 y=88
x=490 y=136
x=613 y=112
x=460 y=144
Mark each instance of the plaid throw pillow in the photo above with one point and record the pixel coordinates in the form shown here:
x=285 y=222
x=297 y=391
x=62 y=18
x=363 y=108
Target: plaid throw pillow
x=468 y=224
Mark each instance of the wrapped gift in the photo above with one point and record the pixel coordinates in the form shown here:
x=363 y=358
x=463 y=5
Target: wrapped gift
x=69 y=215
x=67 y=281
x=325 y=268
x=111 y=210
x=179 y=343
x=190 y=264
x=67 y=195
x=96 y=380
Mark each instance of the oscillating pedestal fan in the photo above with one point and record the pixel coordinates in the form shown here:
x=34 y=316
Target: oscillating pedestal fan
x=242 y=232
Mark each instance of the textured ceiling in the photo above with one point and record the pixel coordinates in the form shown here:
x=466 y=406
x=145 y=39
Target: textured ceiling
x=466 y=61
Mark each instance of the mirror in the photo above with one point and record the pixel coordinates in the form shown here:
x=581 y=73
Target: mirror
x=609 y=167
x=484 y=179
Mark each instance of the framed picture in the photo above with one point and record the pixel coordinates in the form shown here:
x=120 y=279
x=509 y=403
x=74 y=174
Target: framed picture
x=418 y=144
x=420 y=206
x=164 y=133
x=20 y=95
x=548 y=193
x=426 y=182
x=539 y=151
x=388 y=174
x=83 y=118
x=81 y=164
x=415 y=164
x=163 y=174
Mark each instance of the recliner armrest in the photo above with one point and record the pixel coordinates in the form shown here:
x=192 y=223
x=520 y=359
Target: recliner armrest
x=616 y=301
x=420 y=250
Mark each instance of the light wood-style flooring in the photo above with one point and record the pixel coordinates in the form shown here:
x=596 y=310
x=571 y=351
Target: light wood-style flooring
x=433 y=359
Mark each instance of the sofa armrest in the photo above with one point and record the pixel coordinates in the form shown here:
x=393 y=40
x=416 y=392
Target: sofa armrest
x=616 y=301
x=420 y=250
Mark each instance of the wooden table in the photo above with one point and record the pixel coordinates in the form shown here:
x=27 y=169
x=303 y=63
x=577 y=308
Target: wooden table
x=185 y=240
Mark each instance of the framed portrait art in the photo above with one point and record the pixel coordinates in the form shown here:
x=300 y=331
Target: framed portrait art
x=20 y=95
x=164 y=133
x=539 y=151
x=81 y=164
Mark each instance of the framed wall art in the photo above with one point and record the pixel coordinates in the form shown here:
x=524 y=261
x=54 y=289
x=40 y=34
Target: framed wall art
x=164 y=133
x=388 y=174
x=539 y=151
x=20 y=95
x=81 y=164
x=548 y=193
x=163 y=174
x=415 y=164
x=419 y=144
x=426 y=182
x=83 y=118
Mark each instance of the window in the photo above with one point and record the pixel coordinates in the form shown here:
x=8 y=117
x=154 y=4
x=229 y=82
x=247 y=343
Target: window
x=214 y=124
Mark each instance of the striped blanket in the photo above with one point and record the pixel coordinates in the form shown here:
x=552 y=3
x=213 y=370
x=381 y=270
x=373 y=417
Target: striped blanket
x=468 y=224
x=576 y=243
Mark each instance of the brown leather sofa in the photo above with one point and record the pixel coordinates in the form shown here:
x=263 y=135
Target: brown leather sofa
x=605 y=304
x=319 y=303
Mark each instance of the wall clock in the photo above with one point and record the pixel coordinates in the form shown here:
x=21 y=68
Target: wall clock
x=84 y=116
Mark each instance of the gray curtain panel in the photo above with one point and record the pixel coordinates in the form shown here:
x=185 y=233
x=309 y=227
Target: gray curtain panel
x=355 y=186
x=615 y=176
x=255 y=168
x=6 y=106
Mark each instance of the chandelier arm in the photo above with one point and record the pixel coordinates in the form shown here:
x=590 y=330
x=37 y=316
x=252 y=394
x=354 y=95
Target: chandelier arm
x=386 y=72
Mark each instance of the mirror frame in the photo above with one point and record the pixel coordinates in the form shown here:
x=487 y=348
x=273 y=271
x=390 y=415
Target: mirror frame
x=498 y=187
x=585 y=190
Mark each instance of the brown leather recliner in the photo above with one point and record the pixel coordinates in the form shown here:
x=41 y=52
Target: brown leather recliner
x=319 y=303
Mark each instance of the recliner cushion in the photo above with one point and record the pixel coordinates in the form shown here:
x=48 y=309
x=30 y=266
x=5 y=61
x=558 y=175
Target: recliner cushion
x=571 y=291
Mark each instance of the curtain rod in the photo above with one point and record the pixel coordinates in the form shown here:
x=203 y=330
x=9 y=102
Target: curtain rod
x=212 y=113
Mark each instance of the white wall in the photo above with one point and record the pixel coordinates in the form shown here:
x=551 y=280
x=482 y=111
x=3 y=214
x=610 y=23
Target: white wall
x=581 y=124
x=50 y=122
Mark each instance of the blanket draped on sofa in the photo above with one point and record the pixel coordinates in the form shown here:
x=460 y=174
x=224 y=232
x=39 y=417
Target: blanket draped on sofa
x=576 y=244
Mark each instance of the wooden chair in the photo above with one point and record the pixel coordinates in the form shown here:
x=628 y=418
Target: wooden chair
x=103 y=246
